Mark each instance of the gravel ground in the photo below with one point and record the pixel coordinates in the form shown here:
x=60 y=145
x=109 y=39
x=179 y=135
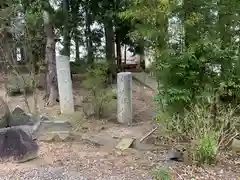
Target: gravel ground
x=67 y=161
x=60 y=173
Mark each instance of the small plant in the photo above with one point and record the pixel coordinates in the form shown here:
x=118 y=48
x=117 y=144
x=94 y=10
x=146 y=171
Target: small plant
x=206 y=149
x=160 y=174
x=99 y=95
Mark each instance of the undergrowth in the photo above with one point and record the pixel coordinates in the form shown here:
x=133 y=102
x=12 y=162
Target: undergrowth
x=100 y=96
x=160 y=174
x=205 y=135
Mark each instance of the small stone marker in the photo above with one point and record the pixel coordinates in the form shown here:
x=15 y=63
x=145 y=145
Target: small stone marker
x=64 y=84
x=124 y=98
x=125 y=143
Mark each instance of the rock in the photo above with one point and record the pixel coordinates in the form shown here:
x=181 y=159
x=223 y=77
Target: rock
x=26 y=128
x=142 y=146
x=3 y=114
x=44 y=118
x=19 y=117
x=55 y=126
x=57 y=136
x=236 y=145
x=101 y=140
x=16 y=144
x=125 y=143
x=175 y=155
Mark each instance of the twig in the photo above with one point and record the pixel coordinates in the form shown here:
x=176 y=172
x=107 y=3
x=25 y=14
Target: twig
x=148 y=134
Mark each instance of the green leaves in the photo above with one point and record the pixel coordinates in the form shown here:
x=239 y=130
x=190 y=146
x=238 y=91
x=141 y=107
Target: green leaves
x=203 y=67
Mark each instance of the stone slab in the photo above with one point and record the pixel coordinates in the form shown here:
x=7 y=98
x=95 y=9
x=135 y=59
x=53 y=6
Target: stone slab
x=125 y=143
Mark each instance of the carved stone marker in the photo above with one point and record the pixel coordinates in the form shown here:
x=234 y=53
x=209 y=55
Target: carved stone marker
x=124 y=98
x=64 y=84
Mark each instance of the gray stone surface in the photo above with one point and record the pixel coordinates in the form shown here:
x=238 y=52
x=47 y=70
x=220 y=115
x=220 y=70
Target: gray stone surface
x=16 y=144
x=56 y=136
x=3 y=119
x=64 y=84
x=101 y=139
x=124 y=98
x=48 y=126
x=19 y=117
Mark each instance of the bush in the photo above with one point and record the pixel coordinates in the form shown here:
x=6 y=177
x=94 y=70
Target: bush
x=100 y=96
x=19 y=84
x=206 y=148
x=77 y=68
x=204 y=71
x=204 y=134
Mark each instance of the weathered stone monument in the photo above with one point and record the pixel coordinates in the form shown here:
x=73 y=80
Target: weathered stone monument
x=124 y=98
x=64 y=84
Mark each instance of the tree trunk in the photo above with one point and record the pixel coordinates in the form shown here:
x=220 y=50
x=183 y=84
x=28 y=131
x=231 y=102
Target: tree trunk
x=66 y=29
x=110 y=55
x=77 y=48
x=119 y=55
x=51 y=94
x=88 y=34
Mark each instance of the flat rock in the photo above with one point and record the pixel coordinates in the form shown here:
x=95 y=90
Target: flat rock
x=19 y=117
x=125 y=143
x=236 y=145
x=53 y=126
x=142 y=146
x=17 y=145
x=56 y=136
x=102 y=140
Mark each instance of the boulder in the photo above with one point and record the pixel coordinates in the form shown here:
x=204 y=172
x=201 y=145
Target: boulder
x=236 y=145
x=17 y=145
x=3 y=118
x=4 y=113
x=19 y=117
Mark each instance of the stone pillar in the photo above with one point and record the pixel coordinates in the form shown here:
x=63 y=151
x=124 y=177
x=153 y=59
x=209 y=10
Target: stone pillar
x=124 y=98
x=64 y=84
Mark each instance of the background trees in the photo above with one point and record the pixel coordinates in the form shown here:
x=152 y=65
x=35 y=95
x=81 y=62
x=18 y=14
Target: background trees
x=190 y=40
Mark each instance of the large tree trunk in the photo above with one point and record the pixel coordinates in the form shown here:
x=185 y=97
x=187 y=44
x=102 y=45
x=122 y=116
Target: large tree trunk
x=119 y=55
x=50 y=58
x=6 y=40
x=76 y=39
x=88 y=34
x=66 y=29
x=110 y=55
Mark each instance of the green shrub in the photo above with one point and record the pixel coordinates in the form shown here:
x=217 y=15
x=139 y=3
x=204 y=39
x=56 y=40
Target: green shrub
x=77 y=68
x=19 y=84
x=100 y=97
x=188 y=78
x=206 y=148
x=197 y=127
